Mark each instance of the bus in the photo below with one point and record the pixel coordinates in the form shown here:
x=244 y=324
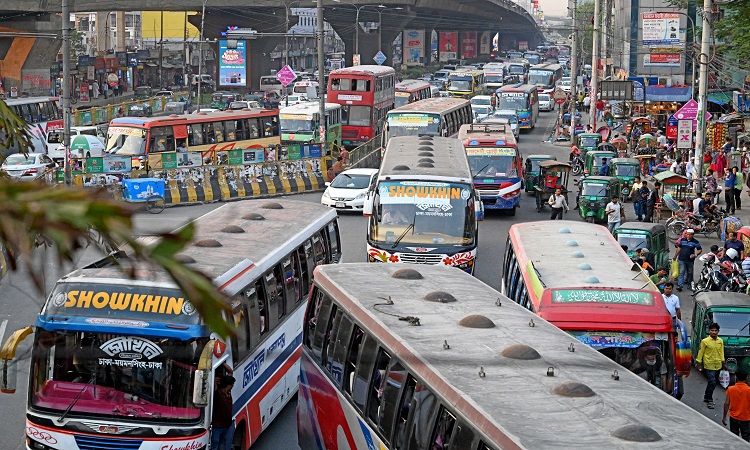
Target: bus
x=494 y=75
x=432 y=358
x=366 y=94
x=269 y=83
x=545 y=76
x=601 y=297
x=466 y=83
x=336 y=60
x=522 y=98
x=310 y=89
x=532 y=57
x=423 y=208
x=520 y=68
x=410 y=91
x=204 y=133
x=41 y=114
x=438 y=116
x=126 y=362
x=299 y=123
x=496 y=164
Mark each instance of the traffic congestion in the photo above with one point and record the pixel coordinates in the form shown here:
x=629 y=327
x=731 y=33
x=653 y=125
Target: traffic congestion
x=583 y=299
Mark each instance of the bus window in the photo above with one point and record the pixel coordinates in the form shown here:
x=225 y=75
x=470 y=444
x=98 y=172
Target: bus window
x=351 y=360
x=273 y=298
x=254 y=313
x=229 y=133
x=463 y=437
x=399 y=432
x=279 y=272
x=290 y=282
x=195 y=134
x=219 y=131
x=333 y=240
x=391 y=396
x=311 y=317
x=319 y=245
x=483 y=446
x=308 y=265
x=421 y=416
x=337 y=349
x=239 y=129
x=241 y=344
x=375 y=391
x=253 y=129
x=361 y=85
x=363 y=371
x=443 y=430
x=162 y=140
x=262 y=307
x=321 y=328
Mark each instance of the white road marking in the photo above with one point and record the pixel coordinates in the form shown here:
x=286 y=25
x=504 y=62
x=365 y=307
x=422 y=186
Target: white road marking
x=2 y=330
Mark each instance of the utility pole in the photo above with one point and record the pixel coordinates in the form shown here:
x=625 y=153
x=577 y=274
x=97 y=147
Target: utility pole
x=161 y=52
x=595 y=66
x=321 y=76
x=286 y=48
x=66 y=89
x=200 y=57
x=700 y=139
x=573 y=75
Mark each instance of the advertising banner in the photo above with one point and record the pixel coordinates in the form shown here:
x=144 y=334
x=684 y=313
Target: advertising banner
x=660 y=28
x=662 y=60
x=685 y=133
x=413 y=46
x=448 y=45
x=232 y=64
x=469 y=44
x=485 y=43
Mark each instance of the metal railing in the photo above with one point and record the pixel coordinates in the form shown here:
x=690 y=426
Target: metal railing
x=367 y=154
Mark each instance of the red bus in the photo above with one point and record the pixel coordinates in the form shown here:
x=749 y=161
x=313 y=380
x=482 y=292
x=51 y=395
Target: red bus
x=575 y=275
x=366 y=94
x=409 y=91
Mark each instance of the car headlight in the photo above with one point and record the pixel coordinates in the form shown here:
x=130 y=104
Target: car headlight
x=360 y=196
x=326 y=194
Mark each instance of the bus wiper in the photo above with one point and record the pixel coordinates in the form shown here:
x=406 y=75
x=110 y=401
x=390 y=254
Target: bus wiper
x=410 y=227
x=92 y=381
x=479 y=171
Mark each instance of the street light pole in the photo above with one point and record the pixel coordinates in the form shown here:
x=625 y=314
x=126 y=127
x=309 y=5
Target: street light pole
x=66 y=25
x=573 y=75
x=703 y=91
x=595 y=67
x=200 y=57
x=321 y=76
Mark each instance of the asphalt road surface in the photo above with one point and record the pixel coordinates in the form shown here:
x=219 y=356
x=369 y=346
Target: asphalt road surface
x=20 y=300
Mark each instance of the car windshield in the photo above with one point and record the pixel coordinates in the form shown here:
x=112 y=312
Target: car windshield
x=626 y=171
x=511 y=118
x=544 y=98
x=499 y=78
x=126 y=141
x=18 y=160
x=515 y=102
x=407 y=124
x=296 y=125
x=102 y=375
x=481 y=101
x=632 y=241
x=732 y=322
x=427 y=212
x=351 y=181
x=594 y=189
x=356 y=116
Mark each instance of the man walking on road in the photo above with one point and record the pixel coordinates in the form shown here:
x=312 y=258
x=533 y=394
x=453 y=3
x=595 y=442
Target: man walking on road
x=653 y=197
x=672 y=301
x=558 y=204
x=711 y=359
x=688 y=249
x=737 y=405
x=615 y=214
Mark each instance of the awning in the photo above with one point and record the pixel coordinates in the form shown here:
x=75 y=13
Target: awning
x=720 y=98
x=669 y=94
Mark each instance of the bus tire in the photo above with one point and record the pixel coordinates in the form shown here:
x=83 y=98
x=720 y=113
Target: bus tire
x=239 y=437
x=512 y=211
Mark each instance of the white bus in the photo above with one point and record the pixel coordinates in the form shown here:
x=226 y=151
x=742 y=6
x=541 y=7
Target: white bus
x=428 y=357
x=127 y=363
x=269 y=83
x=41 y=114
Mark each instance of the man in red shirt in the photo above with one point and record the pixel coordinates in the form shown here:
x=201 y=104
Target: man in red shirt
x=738 y=406
x=221 y=421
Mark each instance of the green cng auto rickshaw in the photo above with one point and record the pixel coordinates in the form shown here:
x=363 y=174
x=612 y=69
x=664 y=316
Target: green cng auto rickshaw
x=626 y=169
x=731 y=310
x=140 y=110
x=587 y=142
x=594 y=194
x=594 y=161
x=142 y=93
x=653 y=236
x=221 y=100
x=531 y=170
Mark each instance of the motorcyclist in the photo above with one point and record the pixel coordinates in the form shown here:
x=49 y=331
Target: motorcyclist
x=574 y=152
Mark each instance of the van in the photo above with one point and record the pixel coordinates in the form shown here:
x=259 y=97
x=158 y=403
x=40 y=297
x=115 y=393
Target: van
x=310 y=89
x=55 y=149
x=207 y=82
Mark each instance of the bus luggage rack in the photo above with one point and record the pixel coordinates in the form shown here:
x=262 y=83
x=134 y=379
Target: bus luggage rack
x=421 y=258
x=85 y=442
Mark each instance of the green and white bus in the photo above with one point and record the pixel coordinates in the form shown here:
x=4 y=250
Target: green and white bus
x=299 y=123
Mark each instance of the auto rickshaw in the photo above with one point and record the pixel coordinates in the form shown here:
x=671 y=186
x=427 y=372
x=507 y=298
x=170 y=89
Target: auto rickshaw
x=731 y=311
x=593 y=195
x=587 y=142
x=594 y=161
x=626 y=169
x=531 y=170
x=222 y=99
x=142 y=93
x=621 y=144
x=175 y=108
x=653 y=236
x=552 y=175
x=140 y=110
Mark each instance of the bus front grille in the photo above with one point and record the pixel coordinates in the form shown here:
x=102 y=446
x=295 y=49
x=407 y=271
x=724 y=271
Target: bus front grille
x=420 y=258
x=86 y=442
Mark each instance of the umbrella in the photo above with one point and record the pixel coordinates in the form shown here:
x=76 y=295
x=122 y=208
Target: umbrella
x=86 y=146
x=648 y=138
x=620 y=143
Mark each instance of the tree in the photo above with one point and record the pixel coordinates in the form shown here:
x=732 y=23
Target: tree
x=733 y=29
x=67 y=220
x=77 y=46
x=583 y=16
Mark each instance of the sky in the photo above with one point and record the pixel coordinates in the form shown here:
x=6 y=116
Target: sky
x=554 y=7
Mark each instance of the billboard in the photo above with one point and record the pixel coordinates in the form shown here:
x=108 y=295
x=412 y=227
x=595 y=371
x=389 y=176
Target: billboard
x=448 y=45
x=413 y=46
x=660 y=28
x=232 y=63
x=469 y=44
x=485 y=43
x=662 y=60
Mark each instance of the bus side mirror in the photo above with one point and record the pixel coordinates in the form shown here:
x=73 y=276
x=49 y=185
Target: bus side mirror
x=368 y=205
x=201 y=382
x=8 y=364
x=479 y=210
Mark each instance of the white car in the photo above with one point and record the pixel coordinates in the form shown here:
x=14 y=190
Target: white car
x=546 y=103
x=347 y=191
x=481 y=112
x=511 y=116
x=484 y=100
x=27 y=167
x=564 y=84
x=294 y=100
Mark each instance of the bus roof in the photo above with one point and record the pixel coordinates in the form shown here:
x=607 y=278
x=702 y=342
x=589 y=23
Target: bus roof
x=27 y=100
x=176 y=119
x=514 y=383
x=474 y=72
x=373 y=70
x=307 y=108
x=432 y=105
x=519 y=87
x=407 y=157
x=231 y=244
x=486 y=134
x=547 y=66
x=412 y=85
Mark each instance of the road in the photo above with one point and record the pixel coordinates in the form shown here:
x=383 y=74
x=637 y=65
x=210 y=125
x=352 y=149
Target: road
x=20 y=301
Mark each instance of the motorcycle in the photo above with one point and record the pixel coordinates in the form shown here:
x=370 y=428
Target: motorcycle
x=682 y=220
x=577 y=165
x=736 y=281
x=711 y=278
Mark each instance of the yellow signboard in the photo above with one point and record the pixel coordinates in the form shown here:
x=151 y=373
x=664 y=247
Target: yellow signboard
x=119 y=301
x=424 y=192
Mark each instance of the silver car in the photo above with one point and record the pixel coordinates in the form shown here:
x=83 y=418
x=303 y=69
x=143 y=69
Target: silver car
x=511 y=116
x=27 y=167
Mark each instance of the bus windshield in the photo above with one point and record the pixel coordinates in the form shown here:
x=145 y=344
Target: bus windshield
x=413 y=124
x=494 y=78
x=492 y=162
x=516 y=69
x=424 y=213
x=115 y=376
x=126 y=141
x=460 y=83
x=541 y=78
x=296 y=125
x=515 y=101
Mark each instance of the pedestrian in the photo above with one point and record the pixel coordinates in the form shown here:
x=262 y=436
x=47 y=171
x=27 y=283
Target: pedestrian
x=688 y=248
x=727 y=147
x=604 y=169
x=221 y=422
x=338 y=166
x=116 y=89
x=587 y=103
x=711 y=360
x=95 y=87
x=729 y=181
x=660 y=278
x=720 y=164
x=736 y=244
x=710 y=186
x=105 y=89
x=558 y=203
x=493 y=100
x=661 y=140
x=690 y=171
x=739 y=180
x=671 y=301
x=737 y=405
x=615 y=214
x=653 y=198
